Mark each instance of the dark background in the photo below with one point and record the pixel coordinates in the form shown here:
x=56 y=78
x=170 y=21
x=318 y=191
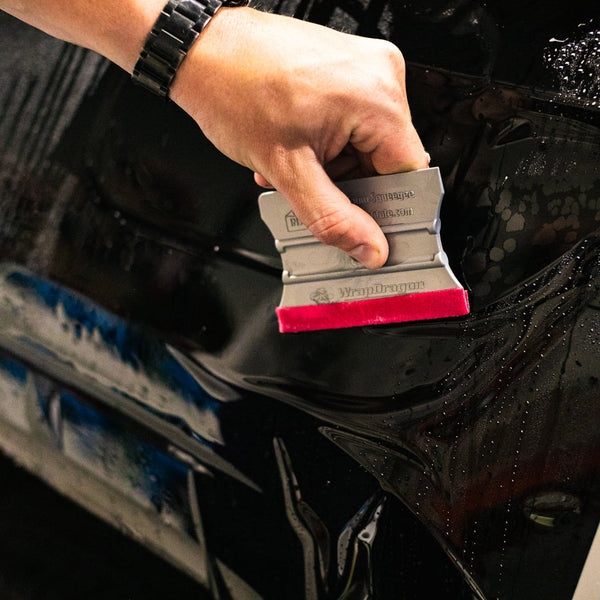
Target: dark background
x=52 y=549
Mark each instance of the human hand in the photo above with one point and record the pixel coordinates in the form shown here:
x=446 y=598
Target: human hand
x=301 y=104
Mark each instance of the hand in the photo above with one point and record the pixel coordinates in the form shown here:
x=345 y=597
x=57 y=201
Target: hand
x=300 y=104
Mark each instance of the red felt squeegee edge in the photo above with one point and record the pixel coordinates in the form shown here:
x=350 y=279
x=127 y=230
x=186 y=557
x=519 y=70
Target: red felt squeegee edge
x=374 y=311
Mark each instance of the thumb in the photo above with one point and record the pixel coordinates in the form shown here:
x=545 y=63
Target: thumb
x=327 y=212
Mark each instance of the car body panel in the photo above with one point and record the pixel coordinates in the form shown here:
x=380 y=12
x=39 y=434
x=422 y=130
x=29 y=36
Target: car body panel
x=142 y=373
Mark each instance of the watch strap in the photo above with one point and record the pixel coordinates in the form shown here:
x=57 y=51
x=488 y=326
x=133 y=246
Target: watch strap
x=176 y=29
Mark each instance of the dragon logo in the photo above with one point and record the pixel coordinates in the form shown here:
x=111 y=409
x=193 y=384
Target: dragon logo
x=321 y=296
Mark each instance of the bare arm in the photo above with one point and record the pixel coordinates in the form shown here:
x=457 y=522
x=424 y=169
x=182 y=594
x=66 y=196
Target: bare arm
x=295 y=102
x=116 y=29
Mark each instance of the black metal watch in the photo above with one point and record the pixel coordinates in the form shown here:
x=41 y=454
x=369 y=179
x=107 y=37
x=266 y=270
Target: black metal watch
x=176 y=29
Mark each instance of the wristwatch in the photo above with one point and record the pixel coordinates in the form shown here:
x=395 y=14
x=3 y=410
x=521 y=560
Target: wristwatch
x=176 y=29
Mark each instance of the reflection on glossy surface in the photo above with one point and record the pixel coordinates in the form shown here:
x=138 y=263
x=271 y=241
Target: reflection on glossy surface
x=359 y=585
x=104 y=349
x=309 y=528
x=486 y=427
x=95 y=458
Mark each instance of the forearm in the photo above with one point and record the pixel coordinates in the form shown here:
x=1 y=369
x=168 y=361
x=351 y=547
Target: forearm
x=114 y=28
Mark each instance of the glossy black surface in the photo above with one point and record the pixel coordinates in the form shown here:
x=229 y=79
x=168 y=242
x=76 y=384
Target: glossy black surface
x=470 y=442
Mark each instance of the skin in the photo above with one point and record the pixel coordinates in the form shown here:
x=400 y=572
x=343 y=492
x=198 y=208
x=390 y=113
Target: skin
x=298 y=103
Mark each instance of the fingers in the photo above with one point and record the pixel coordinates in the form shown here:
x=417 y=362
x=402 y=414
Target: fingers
x=391 y=145
x=327 y=212
x=342 y=167
x=349 y=164
x=390 y=140
x=399 y=152
x=262 y=181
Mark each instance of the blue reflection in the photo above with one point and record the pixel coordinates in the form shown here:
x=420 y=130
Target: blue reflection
x=134 y=347
x=161 y=478
x=17 y=370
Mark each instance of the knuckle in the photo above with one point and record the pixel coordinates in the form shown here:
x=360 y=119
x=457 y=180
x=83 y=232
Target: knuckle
x=388 y=80
x=393 y=55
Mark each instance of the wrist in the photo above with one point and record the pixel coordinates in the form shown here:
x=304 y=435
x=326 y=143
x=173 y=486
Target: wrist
x=122 y=28
x=214 y=52
x=174 y=33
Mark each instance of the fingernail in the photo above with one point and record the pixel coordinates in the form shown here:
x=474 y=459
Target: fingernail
x=427 y=158
x=367 y=255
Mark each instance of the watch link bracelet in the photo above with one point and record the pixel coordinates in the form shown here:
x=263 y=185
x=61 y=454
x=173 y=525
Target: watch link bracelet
x=176 y=29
